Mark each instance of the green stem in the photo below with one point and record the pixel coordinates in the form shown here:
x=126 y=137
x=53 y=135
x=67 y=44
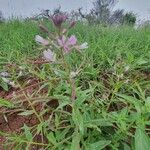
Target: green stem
x=38 y=117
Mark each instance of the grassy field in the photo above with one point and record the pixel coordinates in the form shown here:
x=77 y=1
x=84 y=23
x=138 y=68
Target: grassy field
x=111 y=110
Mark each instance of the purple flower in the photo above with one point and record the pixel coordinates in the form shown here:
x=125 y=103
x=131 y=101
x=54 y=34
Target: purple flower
x=49 y=55
x=67 y=44
x=41 y=40
x=58 y=19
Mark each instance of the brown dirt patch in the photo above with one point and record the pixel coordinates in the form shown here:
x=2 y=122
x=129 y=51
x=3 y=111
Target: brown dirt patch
x=10 y=121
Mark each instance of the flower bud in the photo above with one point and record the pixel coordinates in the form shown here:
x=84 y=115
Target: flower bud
x=58 y=19
x=43 y=28
x=72 y=24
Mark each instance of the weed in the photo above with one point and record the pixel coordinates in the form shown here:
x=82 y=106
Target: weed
x=110 y=109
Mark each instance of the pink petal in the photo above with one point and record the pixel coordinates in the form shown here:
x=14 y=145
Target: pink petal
x=61 y=41
x=72 y=40
x=49 y=55
x=41 y=40
x=66 y=49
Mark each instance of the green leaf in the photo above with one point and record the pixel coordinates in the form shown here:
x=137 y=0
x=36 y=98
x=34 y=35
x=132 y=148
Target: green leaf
x=5 y=103
x=61 y=134
x=147 y=104
x=51 y=138
x=40 y=127
x=132 y=100
x=98 y=145
x=78 y=120
x=99 y=122
x=63 y=101
x=28 y=134
x=82 y=96
x=26 y=113
x=126 y=146
x=57 y=121
x=142 y=141
x=4 y=85
x=75 y=145
x=129 y=99
x=142 y=62
x=62 y=104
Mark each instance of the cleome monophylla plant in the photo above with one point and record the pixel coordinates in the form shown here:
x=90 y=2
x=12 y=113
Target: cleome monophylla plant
x=58 y=94
x=58 y=45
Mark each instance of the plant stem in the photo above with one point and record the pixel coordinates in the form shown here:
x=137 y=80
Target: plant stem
x=73 y=95
x=38 y=117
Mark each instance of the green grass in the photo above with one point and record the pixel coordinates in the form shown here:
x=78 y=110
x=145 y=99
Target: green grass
x=112 y=106
x=16 y=40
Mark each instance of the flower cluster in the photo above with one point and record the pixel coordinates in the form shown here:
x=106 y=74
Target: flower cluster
x=63 y=42
x=69 y=43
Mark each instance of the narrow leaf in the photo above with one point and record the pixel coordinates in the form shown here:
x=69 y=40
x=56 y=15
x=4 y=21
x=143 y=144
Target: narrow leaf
x=78 y=120
x=28 y=134
x=75 y=145
x=99 y=145
x=26 y=113
x=142 y=141
x=51 y=138
x=5 y=103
